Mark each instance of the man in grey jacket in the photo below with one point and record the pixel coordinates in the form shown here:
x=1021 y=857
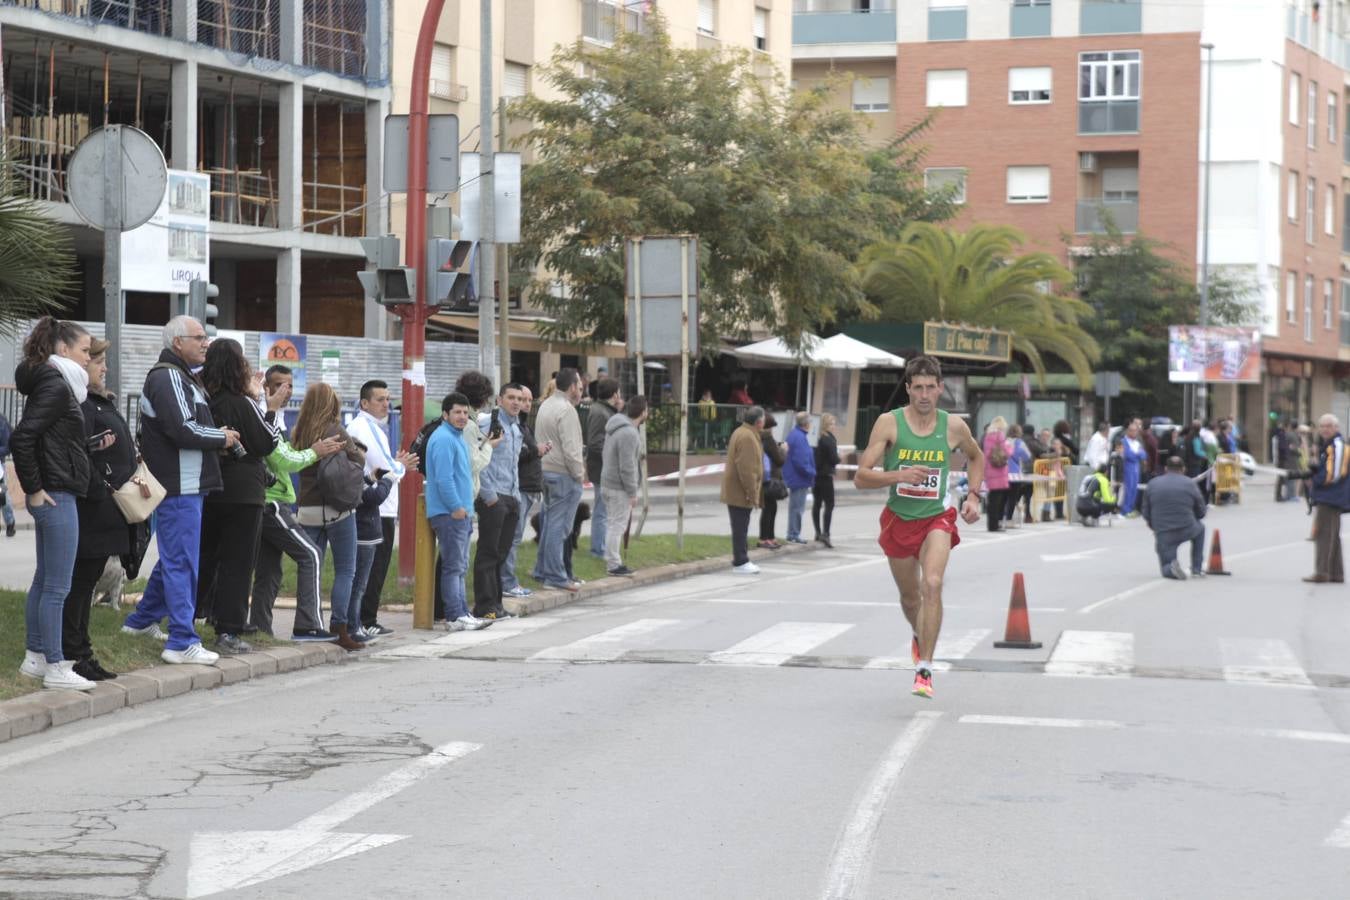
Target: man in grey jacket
x=606 y=404
x=1173 y=508
x=621 y=477
x=557 y=423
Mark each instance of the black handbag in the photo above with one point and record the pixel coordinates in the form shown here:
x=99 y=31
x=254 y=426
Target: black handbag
x=775 y=489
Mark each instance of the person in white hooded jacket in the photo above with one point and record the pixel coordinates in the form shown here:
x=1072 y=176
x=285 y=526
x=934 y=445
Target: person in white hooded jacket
x=621 y=478
x=370 y=427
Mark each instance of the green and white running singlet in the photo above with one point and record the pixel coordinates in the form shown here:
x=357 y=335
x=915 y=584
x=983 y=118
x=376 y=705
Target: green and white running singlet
x=929 y=498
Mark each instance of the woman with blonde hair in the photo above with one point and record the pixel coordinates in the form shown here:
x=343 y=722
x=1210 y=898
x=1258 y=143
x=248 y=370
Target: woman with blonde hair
x=997 y=451
x=324 y=522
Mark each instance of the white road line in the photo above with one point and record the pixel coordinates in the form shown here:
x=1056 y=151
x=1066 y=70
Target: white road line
x=50 y=745
x=1341 y=836
x=1262 y=661
x=953 y=646
x=1293 y=734
x=1092 y=654
x=1039 y=722
x=777 y=644
x=449 y=644
x=611 y=643
x=853 y=847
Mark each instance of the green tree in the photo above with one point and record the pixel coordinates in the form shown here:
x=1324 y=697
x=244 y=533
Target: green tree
x=1137 y=292
x=36 y=261
x=978 y=278
x=646 y=138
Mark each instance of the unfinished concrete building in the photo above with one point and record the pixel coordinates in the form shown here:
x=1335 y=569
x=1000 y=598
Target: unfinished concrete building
x=280 y=102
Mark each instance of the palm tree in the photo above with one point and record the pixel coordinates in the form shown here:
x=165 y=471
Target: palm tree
x=36 y=262
x=977 y=278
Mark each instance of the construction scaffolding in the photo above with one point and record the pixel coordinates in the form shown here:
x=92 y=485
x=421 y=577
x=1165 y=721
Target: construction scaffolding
x=149 y=16
x=335 y=36
x=251 y=27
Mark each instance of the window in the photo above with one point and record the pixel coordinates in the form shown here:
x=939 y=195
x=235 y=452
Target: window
x=515 y=80
x=1028 y=184
x=1307 y=307
x=942 y=179
x=1312 y=114
x=441 y=77
x=1290 y=297
x=871 y=94
x=1328 y=291
x=1291 y=198
x=1109 y=76
x=1333 y=106
x=1329 y=213
x=1295 y=95
x=707 y=16
x=1029 y=85
x=761 y=29
x=1120 y=184
x=1309 y=209
x=946 y=87
x=1345 y=312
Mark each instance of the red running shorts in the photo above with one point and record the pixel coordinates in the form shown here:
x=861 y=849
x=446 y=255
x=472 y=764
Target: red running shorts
x=902 y=538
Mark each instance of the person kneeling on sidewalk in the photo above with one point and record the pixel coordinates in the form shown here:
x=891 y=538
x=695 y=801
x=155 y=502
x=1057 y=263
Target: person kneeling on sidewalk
x=1173 y=508
x=620 y=477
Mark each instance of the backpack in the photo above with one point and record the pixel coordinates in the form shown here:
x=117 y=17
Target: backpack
x=341 y=481
x=419 y=444
x=998 y=455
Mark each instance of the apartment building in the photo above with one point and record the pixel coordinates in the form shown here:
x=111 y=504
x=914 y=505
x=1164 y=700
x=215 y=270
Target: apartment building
x=279 y=102
x=1053 y=115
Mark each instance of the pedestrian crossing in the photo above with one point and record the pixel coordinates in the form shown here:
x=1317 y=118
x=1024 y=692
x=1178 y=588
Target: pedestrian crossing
x=1075 y=654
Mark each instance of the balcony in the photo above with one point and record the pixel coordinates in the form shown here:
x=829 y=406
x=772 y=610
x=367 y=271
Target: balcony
x=1030 y=21
x=843 y=22
x=1093 y=214
x=1108 y=116
x=601 y=22
x=1110 y=17
x=947 y=23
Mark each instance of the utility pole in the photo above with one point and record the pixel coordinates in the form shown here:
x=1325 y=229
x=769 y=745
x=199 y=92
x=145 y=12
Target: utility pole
x=487 y=258
x=504 y=273
x=1201 y=387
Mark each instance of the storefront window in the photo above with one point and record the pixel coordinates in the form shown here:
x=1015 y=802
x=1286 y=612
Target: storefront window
x=835 y=396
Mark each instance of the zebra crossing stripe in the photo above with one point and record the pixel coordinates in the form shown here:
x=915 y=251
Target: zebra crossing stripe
x=1092 y=654
x=1262 y=661
x=610 y=644
x=777 y=644
x=953 y=646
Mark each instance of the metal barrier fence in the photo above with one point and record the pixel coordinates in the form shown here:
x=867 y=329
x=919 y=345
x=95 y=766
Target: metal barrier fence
x=1053 y=486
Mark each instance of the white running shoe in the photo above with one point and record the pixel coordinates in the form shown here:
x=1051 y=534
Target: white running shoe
x=746 y=568
x=195 y=653
x=151 y=630
x=34 y=665
x=472 y=623
x=62 y=675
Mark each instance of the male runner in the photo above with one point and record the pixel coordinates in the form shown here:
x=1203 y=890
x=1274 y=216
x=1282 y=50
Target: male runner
x=918 y=525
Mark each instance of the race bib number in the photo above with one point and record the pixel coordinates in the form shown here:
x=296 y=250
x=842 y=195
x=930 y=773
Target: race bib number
x=928 y=489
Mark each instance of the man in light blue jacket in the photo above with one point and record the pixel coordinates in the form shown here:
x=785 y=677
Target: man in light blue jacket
x=799 y=473
x=449 y=491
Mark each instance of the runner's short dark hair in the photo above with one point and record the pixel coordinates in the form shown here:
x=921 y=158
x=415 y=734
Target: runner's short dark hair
x=922 y=365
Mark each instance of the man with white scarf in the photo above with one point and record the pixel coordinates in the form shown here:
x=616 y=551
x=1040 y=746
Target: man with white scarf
x=370 y=427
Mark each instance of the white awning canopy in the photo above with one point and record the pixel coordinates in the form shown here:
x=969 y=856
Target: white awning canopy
x=838 y=352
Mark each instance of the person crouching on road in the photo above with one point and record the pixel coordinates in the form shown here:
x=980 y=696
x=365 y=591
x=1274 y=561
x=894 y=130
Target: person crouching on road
x=621 y=477
x=1330 y=478
x=741 y=479
x=449 y=492
x=1173 y=507
x=1095 y=497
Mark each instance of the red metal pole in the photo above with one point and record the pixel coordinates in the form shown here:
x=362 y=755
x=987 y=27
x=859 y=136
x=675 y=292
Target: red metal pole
x=415 y=317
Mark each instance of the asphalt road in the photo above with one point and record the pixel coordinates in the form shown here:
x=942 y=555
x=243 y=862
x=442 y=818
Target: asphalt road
x=747 y=738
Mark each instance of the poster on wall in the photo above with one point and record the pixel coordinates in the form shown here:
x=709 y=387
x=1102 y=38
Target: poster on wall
x=174 y=248
x=1225 y=355
x=286 y=350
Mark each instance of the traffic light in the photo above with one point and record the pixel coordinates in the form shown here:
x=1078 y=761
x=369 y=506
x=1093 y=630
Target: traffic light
x=452 y=264
x=200 y=307
x=388 y=284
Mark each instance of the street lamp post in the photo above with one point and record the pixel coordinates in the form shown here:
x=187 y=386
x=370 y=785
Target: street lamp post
x=1201 y=387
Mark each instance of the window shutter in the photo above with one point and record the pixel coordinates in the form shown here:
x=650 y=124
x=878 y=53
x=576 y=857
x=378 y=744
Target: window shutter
x=761 y=26
x=1027 y=85
x=872 y=94
x=1028 y=182
x=946 y=87
x=707 y=16
x=441 y=63
x=1120 y=180
x=515 y=79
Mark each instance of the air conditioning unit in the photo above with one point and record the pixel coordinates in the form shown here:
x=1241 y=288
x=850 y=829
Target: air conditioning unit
x=1087 y=162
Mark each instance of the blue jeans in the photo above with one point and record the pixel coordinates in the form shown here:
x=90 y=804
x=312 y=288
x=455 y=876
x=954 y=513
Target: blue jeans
x=561 y=496
x=599 y=523
x=342 y=535
x=796 y=507
x=453 y=536
x=58 y=534
x=5 y=508
x=365 y=561
x=172 y=588
x=509 y=580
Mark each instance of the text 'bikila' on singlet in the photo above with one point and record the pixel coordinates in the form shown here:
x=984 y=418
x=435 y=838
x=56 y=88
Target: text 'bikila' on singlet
x=928 y=498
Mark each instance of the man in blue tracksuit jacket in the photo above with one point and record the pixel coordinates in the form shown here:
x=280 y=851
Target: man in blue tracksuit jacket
x=449 y=491
x=799 y=473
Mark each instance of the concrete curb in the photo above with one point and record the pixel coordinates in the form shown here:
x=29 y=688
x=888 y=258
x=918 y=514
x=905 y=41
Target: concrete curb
x=42 y=710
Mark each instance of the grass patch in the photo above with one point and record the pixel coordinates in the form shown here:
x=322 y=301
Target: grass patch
x=118 y=652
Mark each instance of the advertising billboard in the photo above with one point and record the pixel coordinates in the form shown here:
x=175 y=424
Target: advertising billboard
x=174 y=247
x=1225 y=355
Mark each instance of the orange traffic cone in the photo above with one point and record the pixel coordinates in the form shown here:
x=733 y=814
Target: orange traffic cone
x=1018 y=634
x=1216 y=557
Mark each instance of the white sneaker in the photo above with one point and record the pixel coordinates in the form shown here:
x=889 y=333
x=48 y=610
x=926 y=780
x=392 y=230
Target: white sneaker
x=34 y=665
x=195 y=653
x=471 y=623
x=747 y=568
x=62 y=675
x=151 y=630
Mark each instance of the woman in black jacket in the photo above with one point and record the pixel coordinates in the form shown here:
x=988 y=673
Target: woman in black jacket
x=827 y=457
x=52 y=463
x=231 y=518
x=103 y=531
x=768 y=510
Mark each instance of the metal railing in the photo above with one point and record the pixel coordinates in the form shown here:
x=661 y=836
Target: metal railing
x=1092 y=216
x=1108 y=116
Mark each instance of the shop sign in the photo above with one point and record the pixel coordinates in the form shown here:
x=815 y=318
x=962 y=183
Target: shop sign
x=962 y=342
